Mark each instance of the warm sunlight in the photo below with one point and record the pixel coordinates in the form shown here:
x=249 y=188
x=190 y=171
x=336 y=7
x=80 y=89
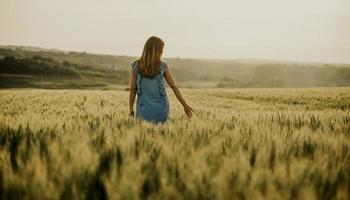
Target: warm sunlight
x=181 y=99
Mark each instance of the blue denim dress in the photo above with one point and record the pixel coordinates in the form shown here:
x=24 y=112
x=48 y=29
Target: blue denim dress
x=152 y=101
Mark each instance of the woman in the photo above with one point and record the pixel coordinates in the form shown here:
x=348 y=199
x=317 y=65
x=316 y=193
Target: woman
x=148 y=83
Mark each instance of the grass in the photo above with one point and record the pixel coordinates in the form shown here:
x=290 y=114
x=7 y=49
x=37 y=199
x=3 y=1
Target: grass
x=240 y=144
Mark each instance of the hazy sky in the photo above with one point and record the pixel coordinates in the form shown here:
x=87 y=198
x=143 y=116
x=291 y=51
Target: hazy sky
x=298 y=30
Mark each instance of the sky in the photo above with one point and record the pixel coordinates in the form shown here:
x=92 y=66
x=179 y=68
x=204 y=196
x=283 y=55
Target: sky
x=291 y=30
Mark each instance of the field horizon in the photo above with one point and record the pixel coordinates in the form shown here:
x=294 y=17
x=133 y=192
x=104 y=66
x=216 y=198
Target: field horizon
x=33 y=67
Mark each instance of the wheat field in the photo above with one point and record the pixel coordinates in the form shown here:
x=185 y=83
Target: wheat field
x=240 y=144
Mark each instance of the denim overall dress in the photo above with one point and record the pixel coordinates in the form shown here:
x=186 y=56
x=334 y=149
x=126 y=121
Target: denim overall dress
x=152 y=101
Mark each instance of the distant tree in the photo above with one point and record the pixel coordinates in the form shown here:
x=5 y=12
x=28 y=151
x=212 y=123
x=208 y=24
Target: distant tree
x=34 y=65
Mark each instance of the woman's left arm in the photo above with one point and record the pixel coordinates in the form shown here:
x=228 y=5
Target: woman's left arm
x=132 y=93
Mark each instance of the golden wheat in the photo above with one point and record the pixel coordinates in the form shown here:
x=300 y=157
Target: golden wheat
x=240 y=144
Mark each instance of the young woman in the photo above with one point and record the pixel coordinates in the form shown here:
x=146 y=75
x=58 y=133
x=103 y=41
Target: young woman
x=147 y=81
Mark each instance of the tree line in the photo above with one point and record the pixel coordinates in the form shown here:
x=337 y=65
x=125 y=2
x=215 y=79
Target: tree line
x=38 y=65
x=35 y=65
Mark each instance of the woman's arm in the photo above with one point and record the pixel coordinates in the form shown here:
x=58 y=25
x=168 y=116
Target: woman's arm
x=171 y=82
x=132 y=93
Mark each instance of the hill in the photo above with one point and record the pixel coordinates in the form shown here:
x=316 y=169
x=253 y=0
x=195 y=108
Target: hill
x=110 y=70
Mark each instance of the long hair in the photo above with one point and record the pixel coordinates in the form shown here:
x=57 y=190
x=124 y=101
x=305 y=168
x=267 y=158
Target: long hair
x=149 y=62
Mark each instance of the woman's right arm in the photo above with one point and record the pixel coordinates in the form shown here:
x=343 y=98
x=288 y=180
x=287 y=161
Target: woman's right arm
x=171 y=82
x=132 y=95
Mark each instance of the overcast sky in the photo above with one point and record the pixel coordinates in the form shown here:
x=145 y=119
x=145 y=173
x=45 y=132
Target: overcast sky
x=296 y=30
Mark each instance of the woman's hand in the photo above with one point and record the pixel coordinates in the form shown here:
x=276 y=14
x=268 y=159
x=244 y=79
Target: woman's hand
x=131 y=113
x=188 y=110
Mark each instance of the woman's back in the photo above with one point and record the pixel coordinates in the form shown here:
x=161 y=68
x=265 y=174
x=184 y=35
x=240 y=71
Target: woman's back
x=152 y=100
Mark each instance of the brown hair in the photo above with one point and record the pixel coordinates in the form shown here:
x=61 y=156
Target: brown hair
x=149 y=62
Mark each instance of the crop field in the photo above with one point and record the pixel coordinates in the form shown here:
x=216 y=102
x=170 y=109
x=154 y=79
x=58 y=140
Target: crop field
x=240 y=144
